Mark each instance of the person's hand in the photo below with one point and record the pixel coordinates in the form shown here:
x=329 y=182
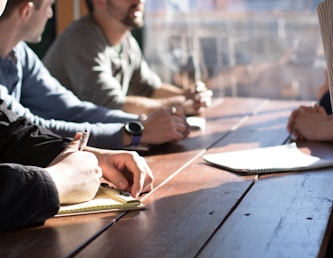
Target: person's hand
x=291 y=121
x=126 y=170
x=165 y=125
x=310 y=123
x=75 y=173
x=198 y=97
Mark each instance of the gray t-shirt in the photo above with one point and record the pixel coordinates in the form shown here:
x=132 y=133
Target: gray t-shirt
x=83 y=60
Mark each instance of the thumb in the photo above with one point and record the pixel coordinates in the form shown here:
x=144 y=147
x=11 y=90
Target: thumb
x=320 y=109
x=71 y=147
x=74 y=145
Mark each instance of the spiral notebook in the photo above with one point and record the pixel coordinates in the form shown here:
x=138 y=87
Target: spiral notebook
x=106 y=199
x=281 y=158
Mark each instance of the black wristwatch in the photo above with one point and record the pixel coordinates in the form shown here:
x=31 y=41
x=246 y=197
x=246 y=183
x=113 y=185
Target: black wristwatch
x=134 y=129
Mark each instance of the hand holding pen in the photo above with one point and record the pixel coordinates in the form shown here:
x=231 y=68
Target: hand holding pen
x=83 y=166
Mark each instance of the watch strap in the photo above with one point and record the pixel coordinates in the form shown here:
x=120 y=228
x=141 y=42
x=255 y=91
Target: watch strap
x=135 y=140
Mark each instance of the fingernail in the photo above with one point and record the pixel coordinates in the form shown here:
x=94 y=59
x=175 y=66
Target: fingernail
x=136 y=194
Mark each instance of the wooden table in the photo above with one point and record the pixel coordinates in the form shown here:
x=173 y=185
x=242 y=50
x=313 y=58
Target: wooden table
x=197 y=210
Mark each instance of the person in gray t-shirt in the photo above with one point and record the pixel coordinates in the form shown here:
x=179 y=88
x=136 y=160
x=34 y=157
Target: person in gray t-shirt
x=100 y=61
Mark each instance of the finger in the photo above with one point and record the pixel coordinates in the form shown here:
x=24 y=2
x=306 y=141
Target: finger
x=205 y=103
x=173 y=110
x=77 y=136
x=149 y=182
x=99 y=172
x=320 y=110
x=74 y=144
x=292 y=119
x=304 y=109
x=200 y=86
x=184 y=131
x=130 y=176
x=117 y=178
x=202 y=101
x=203 y=94
x=296 y=131
x=176 y=110
x=290 y=124
x=142 y=177
x=180 y=124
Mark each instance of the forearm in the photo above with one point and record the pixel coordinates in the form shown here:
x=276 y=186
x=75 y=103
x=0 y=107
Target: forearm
x=103 y=135
x=144 y=105
x=140 y=105
x=28 y=196
x=25 y=143
x=167 y=90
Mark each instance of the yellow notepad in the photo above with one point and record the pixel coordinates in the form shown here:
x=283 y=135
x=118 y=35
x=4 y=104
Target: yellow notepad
x=106 y=199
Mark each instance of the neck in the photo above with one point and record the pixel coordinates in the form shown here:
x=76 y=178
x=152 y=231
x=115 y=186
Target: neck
x=12 y=37
x=113 y=30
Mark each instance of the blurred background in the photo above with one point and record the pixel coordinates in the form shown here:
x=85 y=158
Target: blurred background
x=259 y=48
x=250 y=48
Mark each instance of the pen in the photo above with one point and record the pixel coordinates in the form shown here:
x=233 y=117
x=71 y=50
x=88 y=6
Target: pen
x=84 y=140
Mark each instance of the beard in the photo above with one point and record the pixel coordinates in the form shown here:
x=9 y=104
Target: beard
x=133 y=20
x=133 y=23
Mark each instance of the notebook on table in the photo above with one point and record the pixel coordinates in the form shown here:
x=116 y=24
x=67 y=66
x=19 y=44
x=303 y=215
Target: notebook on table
x=281 y=158
x=106 y=199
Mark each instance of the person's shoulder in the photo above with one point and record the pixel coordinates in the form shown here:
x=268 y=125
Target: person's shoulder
x=80 y=34
x=84 y=22
x=85 y=27
x=22 y=49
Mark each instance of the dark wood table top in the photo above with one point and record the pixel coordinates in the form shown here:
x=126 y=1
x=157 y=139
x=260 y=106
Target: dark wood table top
x=197 y=210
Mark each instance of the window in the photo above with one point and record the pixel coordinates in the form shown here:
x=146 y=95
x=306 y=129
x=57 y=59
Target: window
x=256 y=48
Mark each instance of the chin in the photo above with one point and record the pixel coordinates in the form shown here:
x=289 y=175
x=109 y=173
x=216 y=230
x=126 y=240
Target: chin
x=34 y=40
x=134 y=23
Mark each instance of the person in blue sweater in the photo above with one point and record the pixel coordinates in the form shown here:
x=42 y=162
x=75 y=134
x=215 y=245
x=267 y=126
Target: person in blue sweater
x=29 y=90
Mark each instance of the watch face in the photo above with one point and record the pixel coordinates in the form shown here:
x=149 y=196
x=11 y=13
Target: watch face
x=134 y=128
